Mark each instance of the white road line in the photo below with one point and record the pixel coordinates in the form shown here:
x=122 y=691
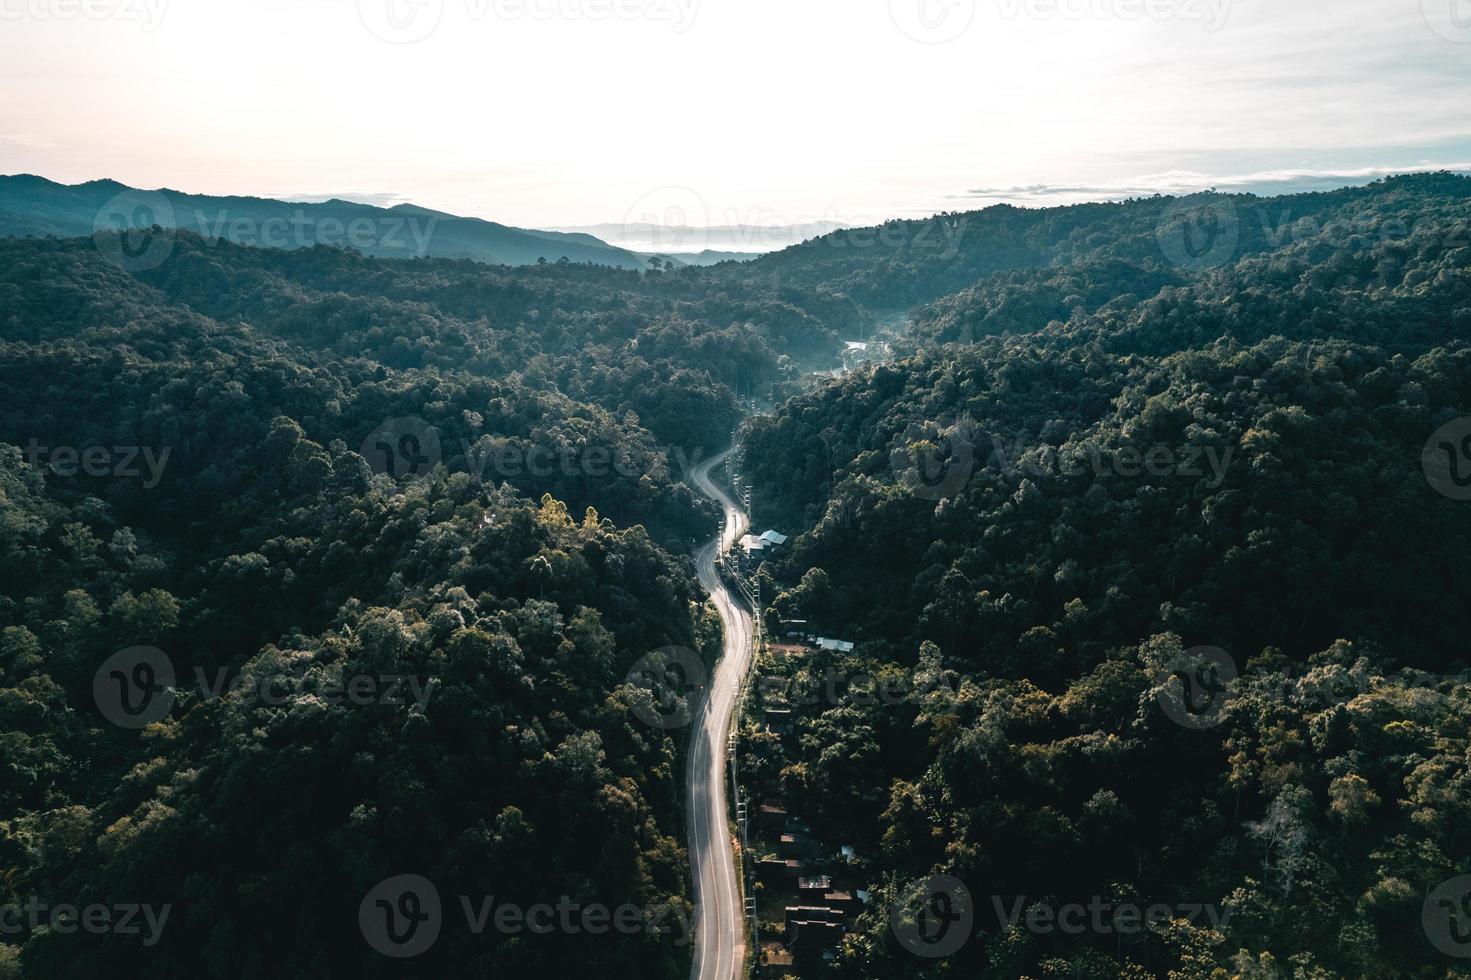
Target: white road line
x=720 y=946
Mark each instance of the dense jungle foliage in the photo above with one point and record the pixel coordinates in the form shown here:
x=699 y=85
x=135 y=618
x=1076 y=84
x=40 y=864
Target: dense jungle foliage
x=1116 y=444
x=1099 y=491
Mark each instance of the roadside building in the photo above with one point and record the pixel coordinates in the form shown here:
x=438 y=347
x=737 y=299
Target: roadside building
x=779 y=720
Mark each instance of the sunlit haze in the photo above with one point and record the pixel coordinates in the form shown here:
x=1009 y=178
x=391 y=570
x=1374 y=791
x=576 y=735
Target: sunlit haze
x=573 y=113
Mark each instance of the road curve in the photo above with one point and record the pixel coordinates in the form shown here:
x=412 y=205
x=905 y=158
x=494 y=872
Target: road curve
x=719 y=933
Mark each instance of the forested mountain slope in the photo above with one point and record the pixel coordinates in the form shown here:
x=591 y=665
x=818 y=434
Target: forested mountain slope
x=1156 y=547
x=32 y=206
x=906 y=263
x=1113 y=437
x=207 y=469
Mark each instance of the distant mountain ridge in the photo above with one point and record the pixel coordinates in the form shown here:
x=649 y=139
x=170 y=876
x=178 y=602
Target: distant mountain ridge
x=740 y=241
x=32 y=206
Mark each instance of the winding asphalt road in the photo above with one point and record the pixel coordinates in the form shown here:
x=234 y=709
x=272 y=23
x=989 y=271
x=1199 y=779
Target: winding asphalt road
x=719 y=933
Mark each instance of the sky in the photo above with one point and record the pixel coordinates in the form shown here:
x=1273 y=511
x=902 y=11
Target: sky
x=574 y=113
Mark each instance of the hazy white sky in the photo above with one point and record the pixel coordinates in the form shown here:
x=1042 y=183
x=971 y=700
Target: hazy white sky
x=569 y=112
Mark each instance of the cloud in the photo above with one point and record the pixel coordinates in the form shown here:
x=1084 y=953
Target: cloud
x=1182 y=182
x=25 y=141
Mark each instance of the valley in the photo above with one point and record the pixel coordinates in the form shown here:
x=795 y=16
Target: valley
x=1094 y=581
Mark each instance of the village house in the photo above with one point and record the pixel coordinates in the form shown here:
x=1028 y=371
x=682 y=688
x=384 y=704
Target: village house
x=779 y=720
x=812 y=929
x=757 y=545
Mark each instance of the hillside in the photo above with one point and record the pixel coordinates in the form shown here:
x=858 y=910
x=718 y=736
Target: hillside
x=35 y=207
x=1099 y=461
x=1149 y=546
x=903 y=264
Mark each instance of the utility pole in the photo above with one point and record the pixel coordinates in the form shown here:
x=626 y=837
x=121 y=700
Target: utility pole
x=735 y=788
